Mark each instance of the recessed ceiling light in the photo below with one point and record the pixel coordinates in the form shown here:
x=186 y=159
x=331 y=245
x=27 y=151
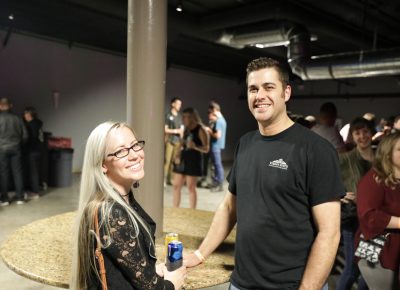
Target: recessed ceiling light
x=11 y=16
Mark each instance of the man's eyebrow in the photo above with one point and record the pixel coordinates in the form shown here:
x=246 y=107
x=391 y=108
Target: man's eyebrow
x=268 y=84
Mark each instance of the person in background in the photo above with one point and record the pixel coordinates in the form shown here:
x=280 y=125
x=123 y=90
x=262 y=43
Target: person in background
x=12 y=135
x=326 y=126
x=353 y=165
x=396 y=124
x=34 y=148
x=212 y=119
x=378 y=208
x=283 y=195
x=217 y=144
x=312 y=120
x=188 y=162
x=112 y=167
x=387 y=126
x=173 y=134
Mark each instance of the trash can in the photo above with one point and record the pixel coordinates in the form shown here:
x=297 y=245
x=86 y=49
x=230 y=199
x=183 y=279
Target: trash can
x=60 y=167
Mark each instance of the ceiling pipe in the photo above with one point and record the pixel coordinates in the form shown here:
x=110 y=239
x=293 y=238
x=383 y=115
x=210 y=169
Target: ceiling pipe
x=290 y=11
x=338 y=66
x=334 y=66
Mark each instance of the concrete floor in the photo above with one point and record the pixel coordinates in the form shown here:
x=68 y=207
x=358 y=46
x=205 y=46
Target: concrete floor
x=60 y=200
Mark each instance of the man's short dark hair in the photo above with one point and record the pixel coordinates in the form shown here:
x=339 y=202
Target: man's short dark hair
x=360 y=123
x=266 y=62
x=328 y=109
x=213 y=105
x=175 y=99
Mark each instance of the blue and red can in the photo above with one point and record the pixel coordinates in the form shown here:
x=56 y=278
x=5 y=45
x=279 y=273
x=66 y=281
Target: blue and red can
x=174 y=255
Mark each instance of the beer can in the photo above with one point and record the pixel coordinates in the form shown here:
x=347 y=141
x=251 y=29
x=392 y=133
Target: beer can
x=174 y=256
x=169 y=238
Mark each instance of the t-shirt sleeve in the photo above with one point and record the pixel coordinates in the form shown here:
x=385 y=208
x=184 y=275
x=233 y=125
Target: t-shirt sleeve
x=219 y=125
x=324 y=178
x=231 y=177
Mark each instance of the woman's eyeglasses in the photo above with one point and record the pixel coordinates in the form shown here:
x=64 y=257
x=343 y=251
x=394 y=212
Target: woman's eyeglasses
x=125 y=151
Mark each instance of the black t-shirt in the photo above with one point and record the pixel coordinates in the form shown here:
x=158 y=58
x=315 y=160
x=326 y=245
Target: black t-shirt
x=277 y=180
x=173 y=122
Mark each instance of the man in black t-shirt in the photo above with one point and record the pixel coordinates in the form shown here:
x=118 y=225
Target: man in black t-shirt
x=284 y=192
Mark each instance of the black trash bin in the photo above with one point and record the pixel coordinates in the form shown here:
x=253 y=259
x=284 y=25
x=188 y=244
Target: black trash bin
x=60 y=167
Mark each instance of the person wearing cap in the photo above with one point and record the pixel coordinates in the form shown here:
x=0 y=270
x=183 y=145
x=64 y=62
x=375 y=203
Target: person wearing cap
x=12 y=134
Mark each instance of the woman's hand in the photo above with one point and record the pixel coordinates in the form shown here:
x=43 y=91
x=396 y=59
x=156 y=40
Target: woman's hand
x=190 y=145
x=177 y=277
x=160 y=269
x=349 y=197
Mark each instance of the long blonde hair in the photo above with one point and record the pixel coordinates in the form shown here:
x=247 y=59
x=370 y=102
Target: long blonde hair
x=383 y=163
x=96 y=191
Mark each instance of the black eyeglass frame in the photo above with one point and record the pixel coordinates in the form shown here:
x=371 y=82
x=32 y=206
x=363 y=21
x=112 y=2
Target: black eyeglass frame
x=139 y=143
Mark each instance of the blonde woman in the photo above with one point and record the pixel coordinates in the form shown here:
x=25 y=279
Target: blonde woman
x=113 y=164
x=378 y=207
x=188 y=164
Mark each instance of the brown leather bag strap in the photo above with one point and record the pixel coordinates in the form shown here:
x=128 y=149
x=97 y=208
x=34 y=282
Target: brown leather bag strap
x=99 y=255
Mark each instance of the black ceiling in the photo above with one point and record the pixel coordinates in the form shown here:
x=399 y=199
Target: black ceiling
x=338 y=26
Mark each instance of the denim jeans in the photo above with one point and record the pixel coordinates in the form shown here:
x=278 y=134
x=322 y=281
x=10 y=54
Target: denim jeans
x=350 y=272
x=216 y=160
x=11 y=162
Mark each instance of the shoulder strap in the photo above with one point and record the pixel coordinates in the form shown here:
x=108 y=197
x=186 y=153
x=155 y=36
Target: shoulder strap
x=99 y=255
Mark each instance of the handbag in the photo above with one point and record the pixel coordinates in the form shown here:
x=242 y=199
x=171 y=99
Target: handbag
x=370 y=250
x=179 y=167
x=99 y=255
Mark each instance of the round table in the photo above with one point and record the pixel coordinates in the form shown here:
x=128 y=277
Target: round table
x=41 y=250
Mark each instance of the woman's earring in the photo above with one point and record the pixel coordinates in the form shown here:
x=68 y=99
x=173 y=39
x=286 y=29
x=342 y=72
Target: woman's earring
x=136 y=184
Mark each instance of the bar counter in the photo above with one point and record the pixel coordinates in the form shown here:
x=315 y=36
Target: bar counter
x=41 y=250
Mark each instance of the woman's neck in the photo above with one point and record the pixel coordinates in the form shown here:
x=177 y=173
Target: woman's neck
x=396 y=172
x=123 y=190
x=366 y=153
x=192 y=126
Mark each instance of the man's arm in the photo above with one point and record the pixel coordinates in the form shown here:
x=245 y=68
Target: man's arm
x=223 y=222
x=216 y=134
x=167 y=130
x=326 y=217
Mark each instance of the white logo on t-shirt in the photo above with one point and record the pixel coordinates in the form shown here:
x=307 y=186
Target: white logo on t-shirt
x=279 y=164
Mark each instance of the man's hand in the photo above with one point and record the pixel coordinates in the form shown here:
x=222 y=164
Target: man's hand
x=191 y=260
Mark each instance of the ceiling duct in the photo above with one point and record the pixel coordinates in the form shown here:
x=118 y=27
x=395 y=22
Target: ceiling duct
x=334 y=66
x=338 y=66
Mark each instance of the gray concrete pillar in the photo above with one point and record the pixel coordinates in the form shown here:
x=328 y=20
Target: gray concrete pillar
x=146 y=72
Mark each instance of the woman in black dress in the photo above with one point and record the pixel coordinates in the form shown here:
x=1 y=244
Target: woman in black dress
x=112 y=166
x=188 y=164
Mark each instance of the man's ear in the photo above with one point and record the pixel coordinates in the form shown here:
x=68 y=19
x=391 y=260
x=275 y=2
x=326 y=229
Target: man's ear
x=288 y=93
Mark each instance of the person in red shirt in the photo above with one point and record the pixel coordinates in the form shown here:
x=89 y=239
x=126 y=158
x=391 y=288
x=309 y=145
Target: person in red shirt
x=378 y=209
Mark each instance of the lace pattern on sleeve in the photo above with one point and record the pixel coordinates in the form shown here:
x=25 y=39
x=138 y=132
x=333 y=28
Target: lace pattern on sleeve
x=129 y=253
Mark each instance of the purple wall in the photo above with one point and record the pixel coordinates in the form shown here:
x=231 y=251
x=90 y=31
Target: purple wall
x=92 y=90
